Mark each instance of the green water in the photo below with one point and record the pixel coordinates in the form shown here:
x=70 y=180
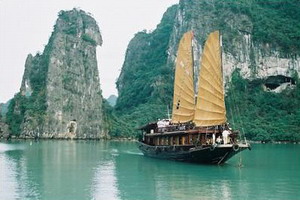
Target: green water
x=117 y=170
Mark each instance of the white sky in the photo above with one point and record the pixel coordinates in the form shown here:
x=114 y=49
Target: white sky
x=25 y=27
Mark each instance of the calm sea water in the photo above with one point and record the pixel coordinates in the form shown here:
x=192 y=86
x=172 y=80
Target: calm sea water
x=117 y=170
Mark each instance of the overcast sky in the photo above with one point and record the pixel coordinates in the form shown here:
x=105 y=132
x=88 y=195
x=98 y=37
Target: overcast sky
x=25 y=27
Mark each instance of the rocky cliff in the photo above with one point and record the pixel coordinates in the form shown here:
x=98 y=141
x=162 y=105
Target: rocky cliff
x=145 y=77
x=253 y=41
x=260 y=47
x=60 y=93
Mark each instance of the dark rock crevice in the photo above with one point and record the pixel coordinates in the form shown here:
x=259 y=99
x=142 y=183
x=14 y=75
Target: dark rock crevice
x=273 y=82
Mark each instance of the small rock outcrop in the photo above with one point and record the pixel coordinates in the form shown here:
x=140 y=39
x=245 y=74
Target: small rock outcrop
x=60 y=92
x=4 y=131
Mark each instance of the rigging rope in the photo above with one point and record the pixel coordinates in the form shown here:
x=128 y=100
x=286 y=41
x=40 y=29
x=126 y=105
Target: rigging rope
x=235 y=107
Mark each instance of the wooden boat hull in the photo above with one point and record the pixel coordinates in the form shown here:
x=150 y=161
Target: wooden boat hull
x=217 y=154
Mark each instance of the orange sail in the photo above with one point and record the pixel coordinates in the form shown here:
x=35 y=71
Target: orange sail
x=184 y=97
x=210 y=108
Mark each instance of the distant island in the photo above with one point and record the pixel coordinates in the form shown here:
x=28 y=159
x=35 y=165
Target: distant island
x=112 y=100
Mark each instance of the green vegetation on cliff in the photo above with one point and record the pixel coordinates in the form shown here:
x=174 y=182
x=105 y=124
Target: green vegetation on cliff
x=33 y=104
x=145 y=83
x=263 y=115
x=275 y=22
x=13 y=119
x=54 y=87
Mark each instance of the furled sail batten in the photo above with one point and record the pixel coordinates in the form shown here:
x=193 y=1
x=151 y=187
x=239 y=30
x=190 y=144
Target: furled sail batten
x=210 y=108
x=184 y=98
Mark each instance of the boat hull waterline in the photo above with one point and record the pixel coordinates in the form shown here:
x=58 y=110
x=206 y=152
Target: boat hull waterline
x=214 y=154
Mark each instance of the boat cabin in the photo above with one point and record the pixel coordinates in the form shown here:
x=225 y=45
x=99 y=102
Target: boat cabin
x=165 y=133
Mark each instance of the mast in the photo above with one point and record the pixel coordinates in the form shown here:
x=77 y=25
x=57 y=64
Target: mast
x=221 y=50
x=193 y=61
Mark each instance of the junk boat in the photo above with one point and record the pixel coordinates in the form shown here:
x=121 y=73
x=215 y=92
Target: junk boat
x=198 y=131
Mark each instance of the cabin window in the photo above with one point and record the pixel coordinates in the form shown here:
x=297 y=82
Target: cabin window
x=175 y=142
x=157 y=141
x=202 y=139
x=183 y=140
x=172 y=141
x=208 y=139
x=180 y=140
x=150 y=141
x=188 y=139
x=194 y=139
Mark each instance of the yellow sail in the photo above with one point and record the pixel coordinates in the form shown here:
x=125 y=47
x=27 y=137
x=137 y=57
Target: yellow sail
x=210 y=107
x=184 y=99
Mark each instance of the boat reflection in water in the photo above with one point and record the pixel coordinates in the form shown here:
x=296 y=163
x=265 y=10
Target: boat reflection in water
x=146 y=178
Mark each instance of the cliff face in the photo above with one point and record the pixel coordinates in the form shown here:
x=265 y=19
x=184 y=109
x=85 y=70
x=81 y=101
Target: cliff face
x=247 y=31
x=4 y=132
x=60 y=92
x=144 y=69
x=145 y=79
x=259 y=41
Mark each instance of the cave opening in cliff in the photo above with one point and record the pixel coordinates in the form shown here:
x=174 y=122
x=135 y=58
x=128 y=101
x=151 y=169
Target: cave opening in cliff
x=273 y=82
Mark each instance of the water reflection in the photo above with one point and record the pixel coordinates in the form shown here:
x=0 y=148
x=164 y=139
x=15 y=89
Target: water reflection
x=160 y=179
x=117 y=170
x=49 y=169
x=135 y=177
x=8 y=179
x=105 y=182
x=14 y=179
